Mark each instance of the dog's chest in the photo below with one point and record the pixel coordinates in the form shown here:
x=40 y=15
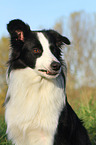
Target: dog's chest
x=35 y=108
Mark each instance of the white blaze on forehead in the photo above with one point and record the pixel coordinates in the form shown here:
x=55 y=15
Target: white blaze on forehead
x=47 y=57
x=44 y=42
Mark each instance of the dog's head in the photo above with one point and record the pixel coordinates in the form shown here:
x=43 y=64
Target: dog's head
x=39 y=50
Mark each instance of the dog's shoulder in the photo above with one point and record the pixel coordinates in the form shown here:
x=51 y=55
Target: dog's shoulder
x=70 y=129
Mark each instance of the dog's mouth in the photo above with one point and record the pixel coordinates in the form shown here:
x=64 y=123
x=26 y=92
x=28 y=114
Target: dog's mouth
x=48 y=72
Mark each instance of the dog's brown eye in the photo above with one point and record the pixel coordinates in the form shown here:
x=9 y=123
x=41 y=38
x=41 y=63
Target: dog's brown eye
x=36 y=50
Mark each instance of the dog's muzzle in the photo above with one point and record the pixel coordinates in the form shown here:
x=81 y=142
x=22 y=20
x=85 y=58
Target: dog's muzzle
x=54 y=69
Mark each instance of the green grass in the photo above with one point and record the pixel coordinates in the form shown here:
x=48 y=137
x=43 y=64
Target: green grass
x=85 y=112
x=88 y=114
x=3 y=137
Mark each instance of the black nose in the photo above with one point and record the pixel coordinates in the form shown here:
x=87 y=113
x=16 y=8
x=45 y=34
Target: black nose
x=55 y=65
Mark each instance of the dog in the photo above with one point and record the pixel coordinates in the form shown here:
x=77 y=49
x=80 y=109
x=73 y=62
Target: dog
x=36 y=108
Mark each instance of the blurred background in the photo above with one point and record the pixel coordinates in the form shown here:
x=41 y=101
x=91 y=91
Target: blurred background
x=74 y=19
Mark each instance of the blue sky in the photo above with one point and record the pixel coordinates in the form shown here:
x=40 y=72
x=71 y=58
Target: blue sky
x=40 y=13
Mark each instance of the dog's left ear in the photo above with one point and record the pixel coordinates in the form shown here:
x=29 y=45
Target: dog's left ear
x=60 y=40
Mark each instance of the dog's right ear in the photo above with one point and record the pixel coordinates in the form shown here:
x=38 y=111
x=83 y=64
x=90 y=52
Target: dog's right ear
x=18 y=31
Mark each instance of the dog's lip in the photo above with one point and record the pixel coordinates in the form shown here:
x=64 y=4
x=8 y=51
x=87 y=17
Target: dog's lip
x=42 y=70
x=48 y=72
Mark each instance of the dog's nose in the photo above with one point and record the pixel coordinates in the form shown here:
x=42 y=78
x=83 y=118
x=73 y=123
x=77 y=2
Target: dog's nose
x=55 y=65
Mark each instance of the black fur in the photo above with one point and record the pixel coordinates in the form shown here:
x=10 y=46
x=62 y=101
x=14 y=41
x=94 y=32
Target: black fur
x=70 y=130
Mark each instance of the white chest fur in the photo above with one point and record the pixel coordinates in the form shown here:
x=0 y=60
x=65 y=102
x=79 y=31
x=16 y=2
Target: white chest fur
x=33 y=110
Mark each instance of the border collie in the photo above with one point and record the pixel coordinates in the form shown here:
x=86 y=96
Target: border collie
x=36 y=107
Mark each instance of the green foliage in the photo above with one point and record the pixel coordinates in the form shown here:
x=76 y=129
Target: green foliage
x=3 y=137
x=88 y=114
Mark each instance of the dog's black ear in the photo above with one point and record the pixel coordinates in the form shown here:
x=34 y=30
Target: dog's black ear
x=60 y=40
x=18 y=31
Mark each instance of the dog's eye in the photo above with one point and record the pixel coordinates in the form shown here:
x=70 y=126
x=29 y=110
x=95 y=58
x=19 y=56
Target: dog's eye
x=36 y=50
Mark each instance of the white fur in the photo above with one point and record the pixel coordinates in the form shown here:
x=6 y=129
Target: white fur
x=33 y=110
x=35 y=103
